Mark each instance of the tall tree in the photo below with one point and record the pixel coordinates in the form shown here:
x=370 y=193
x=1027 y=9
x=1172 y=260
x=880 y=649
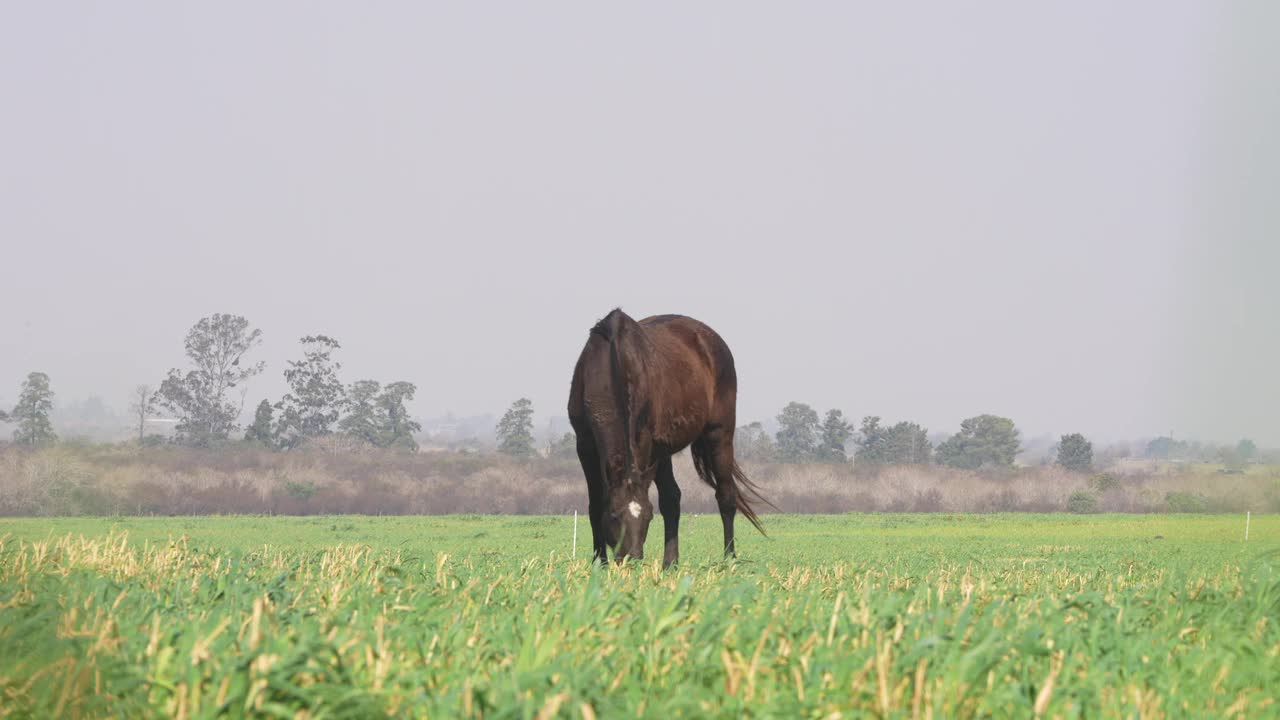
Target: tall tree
x=397 y=428
x=1230 y=458
x=141 y=405
x=263 y=428
x=316 y=395
x=909 y=444
x=1075 y=453
x=566 y=447
x=983 y=441
x=905 y=443
x=378 y=415
x=836 y=431
x=216 y=345
x=1165 y=448
x=515 y=429
x=797 y=436
x=361 y=420
x=873 y=443
x=32 y=412
x=751 y=442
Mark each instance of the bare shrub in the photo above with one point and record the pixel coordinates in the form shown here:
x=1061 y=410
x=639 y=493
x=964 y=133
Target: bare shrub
x=331 y=477
x=1005 y=500
x=929 y=500
x=338 y=444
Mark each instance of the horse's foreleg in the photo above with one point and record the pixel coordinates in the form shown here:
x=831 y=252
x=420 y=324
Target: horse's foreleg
x=669 y=506
x=596 y=500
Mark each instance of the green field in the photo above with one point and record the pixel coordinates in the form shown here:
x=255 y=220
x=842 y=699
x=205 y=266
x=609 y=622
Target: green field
x=848 y=616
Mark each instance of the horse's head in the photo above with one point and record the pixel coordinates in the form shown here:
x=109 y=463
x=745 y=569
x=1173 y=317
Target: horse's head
x=628 y=517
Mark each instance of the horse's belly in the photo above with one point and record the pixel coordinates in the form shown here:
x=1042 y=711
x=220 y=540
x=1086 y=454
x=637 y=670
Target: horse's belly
x=677 y=432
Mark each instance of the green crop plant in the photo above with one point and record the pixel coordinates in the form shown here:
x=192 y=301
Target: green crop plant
x=830 y=616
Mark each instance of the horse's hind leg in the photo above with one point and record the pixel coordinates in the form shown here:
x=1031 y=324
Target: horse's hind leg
x=669 y=505
x=717 y=452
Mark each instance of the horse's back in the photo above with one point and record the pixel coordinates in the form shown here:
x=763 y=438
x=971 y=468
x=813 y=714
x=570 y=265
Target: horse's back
x=694 y=382
x=681 y=339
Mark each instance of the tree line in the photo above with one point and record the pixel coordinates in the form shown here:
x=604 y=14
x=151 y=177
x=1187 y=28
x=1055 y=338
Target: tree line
x=318 y=403
x=202 y=402
x=983 y=442
x=200 y=398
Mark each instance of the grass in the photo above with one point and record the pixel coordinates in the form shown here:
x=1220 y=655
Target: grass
x=853 y=616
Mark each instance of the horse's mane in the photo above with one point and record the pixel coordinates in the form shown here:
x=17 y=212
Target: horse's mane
x=610 y=328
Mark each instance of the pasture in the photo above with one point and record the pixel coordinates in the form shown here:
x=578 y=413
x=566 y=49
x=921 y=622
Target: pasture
x=488 y=616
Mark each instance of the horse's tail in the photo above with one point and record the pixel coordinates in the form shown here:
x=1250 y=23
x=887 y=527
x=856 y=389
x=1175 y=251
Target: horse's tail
x=747 y=492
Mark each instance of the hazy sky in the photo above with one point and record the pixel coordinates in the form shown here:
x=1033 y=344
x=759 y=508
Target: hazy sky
x=921 y=211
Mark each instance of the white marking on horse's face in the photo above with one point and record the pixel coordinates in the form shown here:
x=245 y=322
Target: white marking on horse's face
x=634 y=507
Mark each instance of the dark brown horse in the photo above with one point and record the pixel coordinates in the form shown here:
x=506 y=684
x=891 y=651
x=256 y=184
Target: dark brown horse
x=641 y=392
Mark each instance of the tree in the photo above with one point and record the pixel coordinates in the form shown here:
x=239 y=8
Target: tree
x=515 y=429
x=797 y=436
x=32 y=412
x=901 y=444
x=1232 y=460
x=316 y=395
x=216 y=345
x=140 y=406
x=263 y=428
x=565 y=447
x=1075 y=453
x=1164 y=448
x=909 y=444
x=836 y=431
x=983 y=441
x=380 y=418
x=361 y=420
x=873 y=447
x=1246 y=449
x=751 y=442
x=397 y=429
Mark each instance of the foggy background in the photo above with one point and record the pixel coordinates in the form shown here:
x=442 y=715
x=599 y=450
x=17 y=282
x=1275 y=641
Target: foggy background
x=1066 y=215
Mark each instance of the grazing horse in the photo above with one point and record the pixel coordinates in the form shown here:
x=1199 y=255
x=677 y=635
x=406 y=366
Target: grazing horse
x=641 y=392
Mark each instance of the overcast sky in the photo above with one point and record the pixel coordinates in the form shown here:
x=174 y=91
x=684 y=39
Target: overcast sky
x=1066 y=215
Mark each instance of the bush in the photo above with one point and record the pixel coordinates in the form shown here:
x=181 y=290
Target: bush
x=1186 y=502
x=300 y=490
x=1082 y=502
x=1103 y=482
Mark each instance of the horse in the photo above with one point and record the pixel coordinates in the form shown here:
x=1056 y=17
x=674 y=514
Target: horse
x=642 y=392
